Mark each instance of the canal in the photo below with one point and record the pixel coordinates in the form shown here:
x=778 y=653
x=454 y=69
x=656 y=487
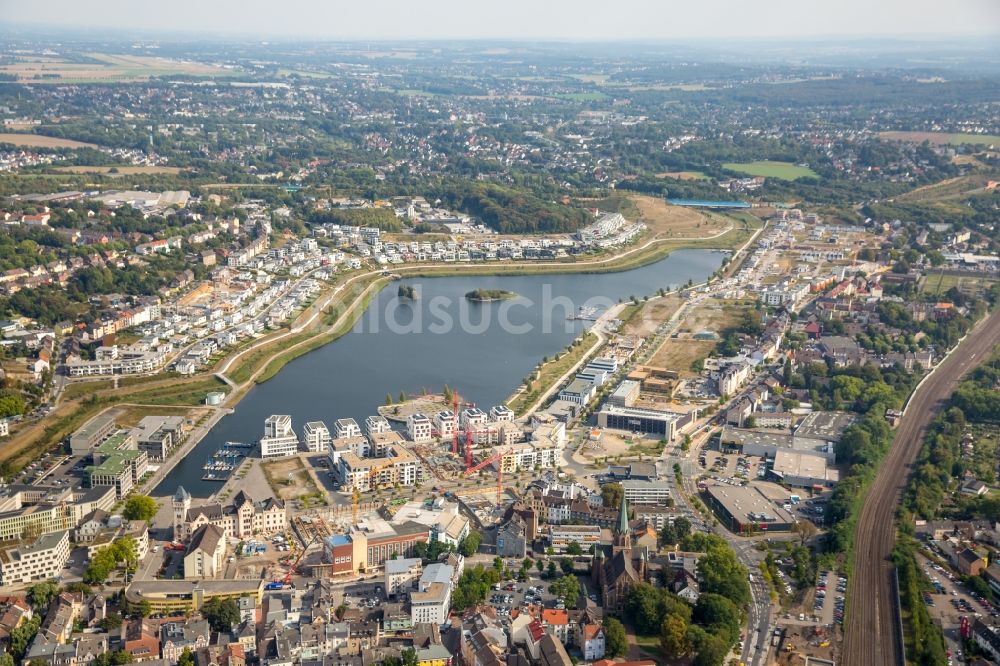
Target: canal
x=483 y=350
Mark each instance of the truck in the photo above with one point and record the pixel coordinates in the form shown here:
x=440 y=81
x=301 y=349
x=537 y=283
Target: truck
x=275 y=585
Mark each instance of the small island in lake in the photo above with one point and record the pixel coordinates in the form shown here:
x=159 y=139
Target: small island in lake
x=487 y=295
x=407 y=291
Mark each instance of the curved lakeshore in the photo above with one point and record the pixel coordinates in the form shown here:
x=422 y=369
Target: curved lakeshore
x=383 y=345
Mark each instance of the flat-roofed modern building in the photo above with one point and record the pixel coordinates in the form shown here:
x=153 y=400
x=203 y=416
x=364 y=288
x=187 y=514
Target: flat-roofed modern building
x=745 y=509
x=182 y=595
x=578 y=391
x=316 y=437
x=419 y=428
x=766 y=444
x=638 y=491
x=803 y=471
x=346 y=428
x=91 y=434
x=40 y=559
x=561 y=536
x=279 y=439
x=647 y=421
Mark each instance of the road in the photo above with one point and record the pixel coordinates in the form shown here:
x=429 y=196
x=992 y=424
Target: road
x=870 y=617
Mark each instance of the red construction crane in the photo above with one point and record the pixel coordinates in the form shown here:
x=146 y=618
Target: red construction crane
x=495 y=458
x=454 y=424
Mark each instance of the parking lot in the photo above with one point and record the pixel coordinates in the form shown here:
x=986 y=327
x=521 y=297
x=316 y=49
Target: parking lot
x=950 y=600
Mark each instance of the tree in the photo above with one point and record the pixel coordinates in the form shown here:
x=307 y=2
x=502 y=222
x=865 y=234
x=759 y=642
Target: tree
x=140 y=507
x=402 y=397
x=567 y=588
x=111 y=621
x=470 y=544
x=566 y=564
x=673 y=637
x=6 y=659
x=805 y=529
x=574 y=548
x=718 y=616
x=551 y=570
x=615 y=641
x=186 y=658
x=611 y=495
x=409 y=657
x=711 y=652
x=40 y=595
x=222 y=614
x=721 y=573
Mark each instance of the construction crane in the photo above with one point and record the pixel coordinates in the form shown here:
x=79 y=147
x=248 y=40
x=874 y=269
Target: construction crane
x=454 y=425
x=495 y=458
x=291 y=570
x=356 y=496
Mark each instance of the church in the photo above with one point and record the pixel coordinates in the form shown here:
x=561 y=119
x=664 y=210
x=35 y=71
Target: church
x=618 y=567
x=241 y=519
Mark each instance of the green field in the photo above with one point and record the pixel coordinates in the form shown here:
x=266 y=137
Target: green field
x=939 y=283
x=769 y=169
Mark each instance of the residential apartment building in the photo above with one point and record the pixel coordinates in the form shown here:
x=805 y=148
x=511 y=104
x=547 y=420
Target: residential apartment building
x=279 y=439
x=398 y=467
x=419 y=428
x=346 y=428
x=316 y=437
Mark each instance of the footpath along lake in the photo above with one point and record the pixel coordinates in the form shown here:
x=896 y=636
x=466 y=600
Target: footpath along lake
x=483 y=350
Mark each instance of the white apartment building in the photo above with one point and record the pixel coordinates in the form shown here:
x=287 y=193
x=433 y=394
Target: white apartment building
x=377 y=424
x=473 y=418
x=402 y=574
x=501 y=414
x=430 y=604
x=279 y=439
x=346 y=428
x=42 y=559
x=419 y=428
x=316 y=437
x=444 y=421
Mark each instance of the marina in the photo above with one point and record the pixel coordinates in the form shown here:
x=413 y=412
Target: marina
x=224 y=461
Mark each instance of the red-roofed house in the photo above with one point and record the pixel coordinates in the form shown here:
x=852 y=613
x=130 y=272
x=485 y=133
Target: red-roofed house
x=556 y=623
x=592 y=641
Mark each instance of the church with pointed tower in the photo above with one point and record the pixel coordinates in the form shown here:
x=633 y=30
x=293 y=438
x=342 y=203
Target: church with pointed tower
x=616 y=568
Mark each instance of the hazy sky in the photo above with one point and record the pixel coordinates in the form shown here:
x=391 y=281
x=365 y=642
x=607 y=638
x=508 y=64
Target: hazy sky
x=528 y=19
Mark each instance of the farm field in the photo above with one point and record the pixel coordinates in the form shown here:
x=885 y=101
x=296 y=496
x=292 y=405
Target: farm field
x=124 y=170
x=941 y=137
x=769 y=169
x=102 y=67
x=39 y=141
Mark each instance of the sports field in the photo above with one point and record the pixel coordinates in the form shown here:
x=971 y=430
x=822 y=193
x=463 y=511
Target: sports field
x=39 y=141
x=941 y=138
x=769 y=169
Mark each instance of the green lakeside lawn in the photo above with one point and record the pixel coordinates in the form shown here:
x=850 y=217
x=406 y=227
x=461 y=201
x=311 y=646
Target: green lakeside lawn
x=769 y=169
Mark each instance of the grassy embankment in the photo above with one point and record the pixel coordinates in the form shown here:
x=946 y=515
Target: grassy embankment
x=551 y=371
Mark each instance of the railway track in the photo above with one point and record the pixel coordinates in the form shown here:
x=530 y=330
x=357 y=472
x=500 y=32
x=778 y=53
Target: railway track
x=870 y=636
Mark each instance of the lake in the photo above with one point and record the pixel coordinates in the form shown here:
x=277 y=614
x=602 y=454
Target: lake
x=482 y=350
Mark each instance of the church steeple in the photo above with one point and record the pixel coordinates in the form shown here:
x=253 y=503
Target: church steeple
x=623 y=534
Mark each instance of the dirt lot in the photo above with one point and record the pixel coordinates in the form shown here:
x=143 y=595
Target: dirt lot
x=290 y=478
x=679 y=355
x=39 y=141
x=129 y=416
x=680 y=352
x=666 y=221
x=653 y=313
